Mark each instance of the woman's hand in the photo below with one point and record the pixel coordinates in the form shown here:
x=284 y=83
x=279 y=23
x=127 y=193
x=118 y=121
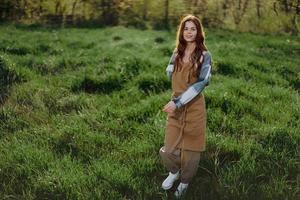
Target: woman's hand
x=169 y=107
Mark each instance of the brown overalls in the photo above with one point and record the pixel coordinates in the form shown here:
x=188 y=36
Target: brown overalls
x=185 y=130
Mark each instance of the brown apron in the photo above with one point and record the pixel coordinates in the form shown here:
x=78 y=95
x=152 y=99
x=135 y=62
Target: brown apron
x=186 y=126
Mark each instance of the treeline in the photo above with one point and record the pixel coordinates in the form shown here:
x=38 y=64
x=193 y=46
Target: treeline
x=244 y=15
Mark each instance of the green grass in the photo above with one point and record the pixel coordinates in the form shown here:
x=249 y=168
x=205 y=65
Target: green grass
x=81 y=115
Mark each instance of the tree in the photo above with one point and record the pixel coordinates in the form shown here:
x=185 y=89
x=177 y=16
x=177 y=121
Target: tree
x=109 y=11
x=73 y=10
x=291 y=8
x=145 y=9
x=258 y=7
x=166 y=16
x=240 y=10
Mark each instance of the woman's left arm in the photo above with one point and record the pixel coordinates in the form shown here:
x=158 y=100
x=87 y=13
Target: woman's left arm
x=197 y=87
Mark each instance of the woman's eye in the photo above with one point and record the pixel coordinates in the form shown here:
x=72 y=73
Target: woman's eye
x=192 y=29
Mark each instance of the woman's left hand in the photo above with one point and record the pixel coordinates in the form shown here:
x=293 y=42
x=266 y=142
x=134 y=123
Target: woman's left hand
x=169 y=107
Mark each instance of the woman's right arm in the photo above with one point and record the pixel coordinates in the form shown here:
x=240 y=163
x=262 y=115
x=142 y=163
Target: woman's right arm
x=170 y=67
x=170 y=106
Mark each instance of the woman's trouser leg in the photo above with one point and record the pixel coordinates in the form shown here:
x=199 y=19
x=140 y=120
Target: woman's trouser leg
x=171 y=160
x=189 y=165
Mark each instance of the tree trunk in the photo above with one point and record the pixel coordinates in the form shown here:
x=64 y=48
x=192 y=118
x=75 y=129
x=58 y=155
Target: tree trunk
x=258 y=6
x=286 y=5
x=166 y=19
x=40 y=8
x=295 y=30
x=145 y=9
x=73 y=11
x=225 y=7
x=74 y=7
x=275 y=8
x=295 y=19
x=57 y=6
x=84 y=8
x=240 y=11
x=15 y=14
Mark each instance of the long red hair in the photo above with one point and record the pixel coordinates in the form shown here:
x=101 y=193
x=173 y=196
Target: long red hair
x=199 y=40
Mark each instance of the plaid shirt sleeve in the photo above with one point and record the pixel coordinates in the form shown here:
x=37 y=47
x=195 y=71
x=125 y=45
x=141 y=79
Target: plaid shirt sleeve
x=197 y=87
x=170 y=67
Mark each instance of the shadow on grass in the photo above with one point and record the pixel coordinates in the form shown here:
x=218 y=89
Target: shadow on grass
x=106 y=86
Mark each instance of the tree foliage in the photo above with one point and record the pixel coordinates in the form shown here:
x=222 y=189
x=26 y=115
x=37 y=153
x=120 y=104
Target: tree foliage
x=245 y=15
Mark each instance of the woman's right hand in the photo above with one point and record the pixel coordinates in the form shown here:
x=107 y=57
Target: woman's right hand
x=169 y=107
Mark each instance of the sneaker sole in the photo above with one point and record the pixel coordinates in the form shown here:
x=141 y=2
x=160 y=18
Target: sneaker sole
x=166 y=188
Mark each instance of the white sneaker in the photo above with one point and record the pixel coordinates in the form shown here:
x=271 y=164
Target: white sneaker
x=169 y=181
x=181 y=189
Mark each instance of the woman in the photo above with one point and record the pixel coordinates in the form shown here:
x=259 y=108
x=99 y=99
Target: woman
x=189 y=70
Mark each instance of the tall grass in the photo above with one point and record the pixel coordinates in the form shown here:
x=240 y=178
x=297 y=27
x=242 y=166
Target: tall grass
x=81 y=115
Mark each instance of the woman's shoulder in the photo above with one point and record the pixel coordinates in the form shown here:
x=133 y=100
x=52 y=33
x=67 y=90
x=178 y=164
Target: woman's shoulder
x=175 y=51
x=206 y=53
x=206 y=56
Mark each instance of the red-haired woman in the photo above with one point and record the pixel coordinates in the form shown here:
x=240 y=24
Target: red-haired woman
x=189 y=70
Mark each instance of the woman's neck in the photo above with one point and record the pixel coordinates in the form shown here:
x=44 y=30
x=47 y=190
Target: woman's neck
x=190 y=47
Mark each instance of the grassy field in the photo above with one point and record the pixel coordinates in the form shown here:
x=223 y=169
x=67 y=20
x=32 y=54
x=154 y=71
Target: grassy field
x=81 y=115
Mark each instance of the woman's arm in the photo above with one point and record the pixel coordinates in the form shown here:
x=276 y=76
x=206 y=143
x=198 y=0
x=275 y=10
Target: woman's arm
x=170 y=67
x=197 y=87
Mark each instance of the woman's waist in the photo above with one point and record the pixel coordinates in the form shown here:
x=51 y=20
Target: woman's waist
x=177 y=93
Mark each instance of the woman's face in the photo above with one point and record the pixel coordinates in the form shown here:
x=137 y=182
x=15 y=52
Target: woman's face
x=189 y=31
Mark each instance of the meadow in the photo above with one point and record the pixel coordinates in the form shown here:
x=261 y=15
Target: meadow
x=81 y=114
